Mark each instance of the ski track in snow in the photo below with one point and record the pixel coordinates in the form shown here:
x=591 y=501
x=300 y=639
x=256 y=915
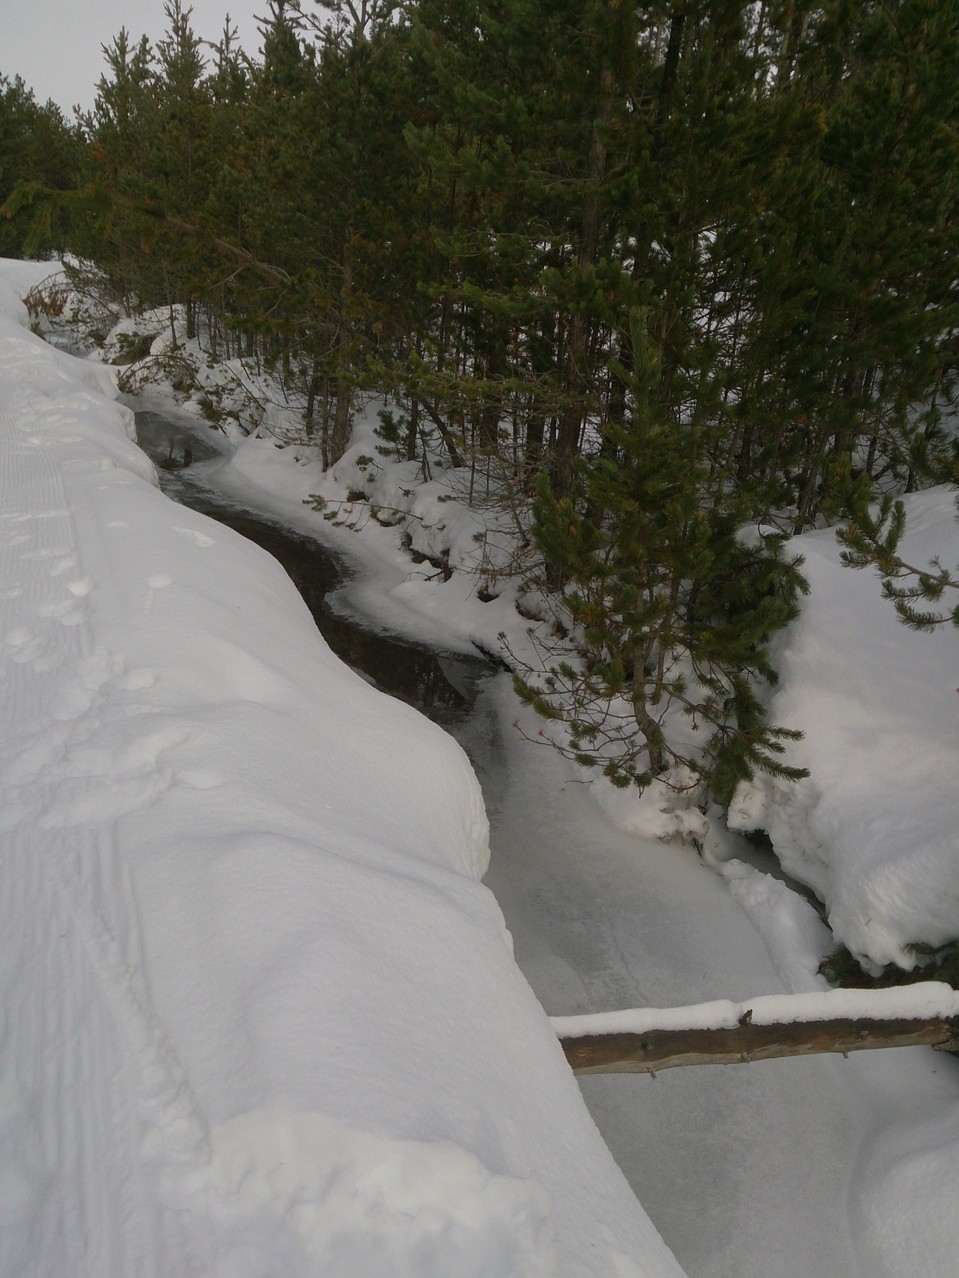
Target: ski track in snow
x=275 y=1031
x=75 y=1015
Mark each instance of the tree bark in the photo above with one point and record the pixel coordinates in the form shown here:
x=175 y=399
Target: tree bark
x=342 y=421
x=654 y=1050
x=573 y=411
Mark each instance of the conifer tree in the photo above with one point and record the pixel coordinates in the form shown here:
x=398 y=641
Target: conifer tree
x=111 y=218
x=335 y=129
x=670 y=609
x=37 y=147
x=185 y=151
x=757 y=310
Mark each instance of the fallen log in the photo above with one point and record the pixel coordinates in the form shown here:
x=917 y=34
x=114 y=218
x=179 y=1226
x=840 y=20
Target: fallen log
x=669 y=1049
x=646 y=1040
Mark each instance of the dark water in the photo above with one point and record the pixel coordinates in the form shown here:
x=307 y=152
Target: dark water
x=170 y=445
x=442 y=686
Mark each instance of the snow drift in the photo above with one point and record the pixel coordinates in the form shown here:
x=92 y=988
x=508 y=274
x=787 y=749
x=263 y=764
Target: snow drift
x=260 y=1017
x=874 y=830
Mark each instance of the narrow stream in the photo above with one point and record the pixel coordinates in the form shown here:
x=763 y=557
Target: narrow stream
x=442 y=686
x=731 y=1165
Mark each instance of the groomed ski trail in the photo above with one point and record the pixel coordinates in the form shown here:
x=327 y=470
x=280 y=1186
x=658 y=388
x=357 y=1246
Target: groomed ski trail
x=90 y=1091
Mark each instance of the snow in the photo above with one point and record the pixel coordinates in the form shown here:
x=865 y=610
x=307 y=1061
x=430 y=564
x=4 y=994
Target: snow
x=874 y=830
x=259 y=1015
x=270 y=1129
x=605 y=919
x=732 y=1164
x=421 y=601
x=923 y=1001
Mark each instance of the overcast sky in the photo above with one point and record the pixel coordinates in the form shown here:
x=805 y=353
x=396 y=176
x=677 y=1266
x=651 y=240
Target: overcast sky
x=55 y=45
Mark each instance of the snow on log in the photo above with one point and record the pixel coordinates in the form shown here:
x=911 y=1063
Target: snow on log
x=646 y=1040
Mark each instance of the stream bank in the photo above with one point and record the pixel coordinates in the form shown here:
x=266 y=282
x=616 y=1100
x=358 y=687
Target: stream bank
x=440 y=685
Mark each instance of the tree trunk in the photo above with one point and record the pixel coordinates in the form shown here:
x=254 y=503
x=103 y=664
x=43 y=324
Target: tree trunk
x=413 y=429
x=573 y=412
x=340 y=439
x=658 y=1049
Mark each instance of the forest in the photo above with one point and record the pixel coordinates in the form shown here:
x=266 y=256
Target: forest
x=674 y=281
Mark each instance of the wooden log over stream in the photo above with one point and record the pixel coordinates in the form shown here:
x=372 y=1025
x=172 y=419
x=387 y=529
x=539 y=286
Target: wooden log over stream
x=669 y=1049
x=647 y=1040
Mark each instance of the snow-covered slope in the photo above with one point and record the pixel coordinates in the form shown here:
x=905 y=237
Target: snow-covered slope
x=259 y=1016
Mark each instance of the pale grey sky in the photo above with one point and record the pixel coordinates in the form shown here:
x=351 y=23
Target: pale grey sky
x=55 y=45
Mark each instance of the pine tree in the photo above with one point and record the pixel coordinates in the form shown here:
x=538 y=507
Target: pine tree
x=184 y=154
x=669 y=608
x=37 y=148
x=112 y=218
x=506 y=152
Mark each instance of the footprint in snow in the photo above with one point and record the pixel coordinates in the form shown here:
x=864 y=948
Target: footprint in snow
x=62 y=566
x=135 y=680
x=198 y=538
x=157 y=582
x=66 y=613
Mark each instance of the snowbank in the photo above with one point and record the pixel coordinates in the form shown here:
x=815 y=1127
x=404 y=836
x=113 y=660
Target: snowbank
x=925 y=1000
x=259 y=1015
x=425 y=600
x=875 y=829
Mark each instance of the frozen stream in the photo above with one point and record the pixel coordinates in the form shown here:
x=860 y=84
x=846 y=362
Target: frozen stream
x=748 y=1172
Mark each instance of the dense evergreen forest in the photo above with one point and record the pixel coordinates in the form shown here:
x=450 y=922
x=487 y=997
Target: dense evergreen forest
x=679 y=276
